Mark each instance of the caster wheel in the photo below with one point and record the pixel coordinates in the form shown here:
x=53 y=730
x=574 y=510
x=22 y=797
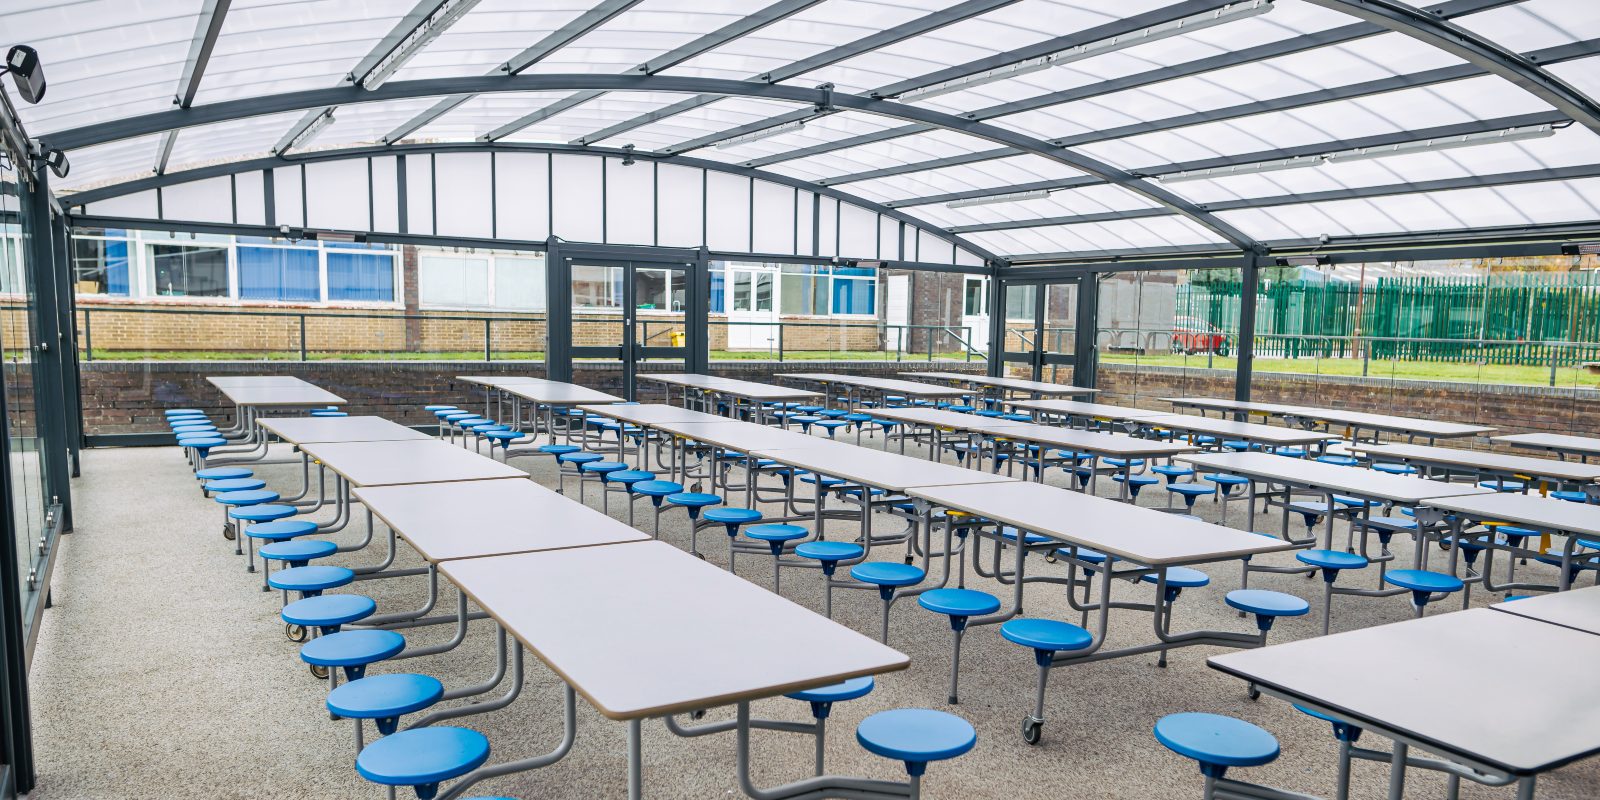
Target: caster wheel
x=228 y=532
x=1255 y=694
x=909 y=559
x=697 y=714
x=700 y=556
x=954 y=701
x=1032 y=730
x=318 y=672
x=1050 y=558
x=296 y=633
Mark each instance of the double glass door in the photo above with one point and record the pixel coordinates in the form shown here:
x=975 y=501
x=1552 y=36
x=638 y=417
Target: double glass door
x=628 y=312
x=1041 y=330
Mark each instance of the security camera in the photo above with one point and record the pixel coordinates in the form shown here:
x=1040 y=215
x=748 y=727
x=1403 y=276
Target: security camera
x=23 y=65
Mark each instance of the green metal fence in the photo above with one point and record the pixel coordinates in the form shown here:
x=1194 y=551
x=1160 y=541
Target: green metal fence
x=1530 y=317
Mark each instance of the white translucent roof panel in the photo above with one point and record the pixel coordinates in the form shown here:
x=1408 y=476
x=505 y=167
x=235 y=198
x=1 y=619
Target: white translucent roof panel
x=615 y=107
x=111 y=162
x=1468 y=100
x=719 y=116
x=1002 y=30
x=892 y=153
x=243 y=139
x=647 y=30
x=484 y=113
x=1535 y=24
x=276 y=46
x=1572 y=146
x=1583 y=74
x=104 y=59
x=1481 y=207
x=961 y=178
x=1286 y=20
x=1141 y=234
x=491 y=34
x=1088 y=200
x=821 y=130
x=365 y=123
x=806 y=34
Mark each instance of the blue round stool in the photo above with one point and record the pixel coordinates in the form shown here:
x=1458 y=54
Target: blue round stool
x=959 y=605
x=351 y=651
x=312 y=580
x=776 y=536
x=829 y=554
x=730 y=518
x=658 y=491
x=384 y=699
x=422 y=758
x=326 y=613
x=916 y=736
x=887 y=576
x=1423 y=584
x=1046 y=637
x=1330 y=562
x=1216 y=742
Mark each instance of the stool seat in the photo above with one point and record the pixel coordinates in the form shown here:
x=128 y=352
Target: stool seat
x=422 y=757
x=1291 y=452
x=1123 y=462
x=282 y=529
x=1338 y=460
x=507 y=435
x=311 y=579
x=1503 y=486
x=1192 y=489
x=351 y=648
x=807 y=477
x=235 y=485
x=262 y=513
x=1136 y=480
x=693 y=499
x=1331 y=559
x=629 y=476
x=1046 y=634
x=654 y=488
x=1082 y=554
x=1172 y=471
x=916 y=735
x=887 y=573
x=1181 y=578
x=959 y=602
x=1421 y=580
x=603 y=466
x=178 y=412
x=836 y=693
x=1216 y=740
x=1394 y=469
x=223 y=473
x=245 y=498
x=1225 y=479
x=829 y=551
x=301 y=550
x=202 y=441
x=440 y=408
x=329 y=610
x=728 y=515
x=1390 y=522
x=776 y=533
x=1514 y=531
x=579 y=458
x=558 y=449
x=1268 y=603
x=1010 y=535
x=385 y=696
x=1571 y=496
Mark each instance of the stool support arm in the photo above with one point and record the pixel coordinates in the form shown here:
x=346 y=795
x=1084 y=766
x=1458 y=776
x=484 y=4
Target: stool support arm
x=569 y=735
x=815 y=787
x=494 y=680
x=461 y=634
x=487 y=705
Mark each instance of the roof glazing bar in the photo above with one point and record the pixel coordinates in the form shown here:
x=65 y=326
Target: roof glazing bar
x=207 y=27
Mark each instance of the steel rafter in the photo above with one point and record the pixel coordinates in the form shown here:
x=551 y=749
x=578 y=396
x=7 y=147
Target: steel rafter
x=776 y=12
x=207 y=27
x=565 y=35
x=319 y=98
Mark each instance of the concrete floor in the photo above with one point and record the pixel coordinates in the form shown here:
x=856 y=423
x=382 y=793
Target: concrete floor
x=163 y=671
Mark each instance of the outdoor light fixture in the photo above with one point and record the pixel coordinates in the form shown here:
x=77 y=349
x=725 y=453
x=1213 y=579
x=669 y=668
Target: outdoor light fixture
x=335 y=236
x=1013 y=197
x=304 y=137
x=429 y=29
x=1582 y=249
x=26 y=72
x=761 y=134
x=1165 y=30
x=1360 y=153
x=1303 y=261
x=54 y=159
x=627 y=157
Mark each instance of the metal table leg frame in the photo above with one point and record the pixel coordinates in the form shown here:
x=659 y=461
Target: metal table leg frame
x=569 y=734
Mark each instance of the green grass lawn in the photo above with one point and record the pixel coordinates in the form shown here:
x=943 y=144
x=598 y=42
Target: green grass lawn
x=1375 y=369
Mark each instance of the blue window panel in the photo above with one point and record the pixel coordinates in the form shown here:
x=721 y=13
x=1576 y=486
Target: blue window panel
x=277 y=273
x=360 y=277
x=717 y=292
x=855 y=296
x=116 y=267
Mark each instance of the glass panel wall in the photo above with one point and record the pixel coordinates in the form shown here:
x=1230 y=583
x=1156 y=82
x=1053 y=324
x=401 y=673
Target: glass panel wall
x=1169 y=333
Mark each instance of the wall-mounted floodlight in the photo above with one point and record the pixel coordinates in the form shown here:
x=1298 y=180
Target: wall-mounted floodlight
x=55 y=159
x=1303 y=261
x=26 y=72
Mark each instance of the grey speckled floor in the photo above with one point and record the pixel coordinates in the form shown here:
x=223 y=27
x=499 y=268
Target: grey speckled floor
x=162 y=671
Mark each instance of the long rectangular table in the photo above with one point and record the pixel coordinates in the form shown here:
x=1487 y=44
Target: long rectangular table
x=1532 y=511
x=1412 y=682
x=889 y=471
x=1353 y=421
x=1563 y=445
x=1036 y=389
x=302 y=430
x=253 y=395
x=712 y=386
x=1270 y=435
x=881 y=387
x=1578 y=609
x=255 y=381
x=1487 y=464
x=1073 y=409
x=388 y=463
x=474 y=519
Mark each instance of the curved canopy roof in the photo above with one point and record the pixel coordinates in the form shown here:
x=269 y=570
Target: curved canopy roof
x=1032 y=129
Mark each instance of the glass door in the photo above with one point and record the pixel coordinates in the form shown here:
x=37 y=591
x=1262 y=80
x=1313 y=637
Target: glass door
x=752 y=309
x=1041 y=330
x=628 y=312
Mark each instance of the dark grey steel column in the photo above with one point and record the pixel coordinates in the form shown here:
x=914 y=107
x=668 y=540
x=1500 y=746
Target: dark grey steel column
x=1085 y=355
x=1250 y=275
x=997 y=321
x=47 y=276
x=697 y=315
x=71 y=383
x=557 y=314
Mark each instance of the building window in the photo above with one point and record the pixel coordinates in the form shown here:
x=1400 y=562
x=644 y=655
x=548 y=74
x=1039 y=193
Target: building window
x=519 y=283
x=453 y=280
x=1021 y=303
x=972 y=300
x=279 y=273
x=855 y=291
x=100 y=266
x=804 y=290
x=188 y=271
x=596 y=288
x=718 y=300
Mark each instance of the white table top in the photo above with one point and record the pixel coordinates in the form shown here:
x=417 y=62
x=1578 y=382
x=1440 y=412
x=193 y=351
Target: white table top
x=1228 y=429
x=387 y=463
x=649 y=414
x=1389 y=423
x=255 y=381
x=1043 y=388
x=750 y=390
x=1365 y=483
x=1578 y=609
x=299 y=430
x=886 y=385
x=1483 y=461
x=644 y=629
x=1531 y=510
x=472 y=519
x=1141 y=535
x=1074 y=408
x=558 y=394
x=1113 y=445
x=1424 y=679
x=281 y=396
x=733 y=434
x=496 y=381
x=1554 y=442
x=884 y=470
x=1220 y=404
x=937 y=417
